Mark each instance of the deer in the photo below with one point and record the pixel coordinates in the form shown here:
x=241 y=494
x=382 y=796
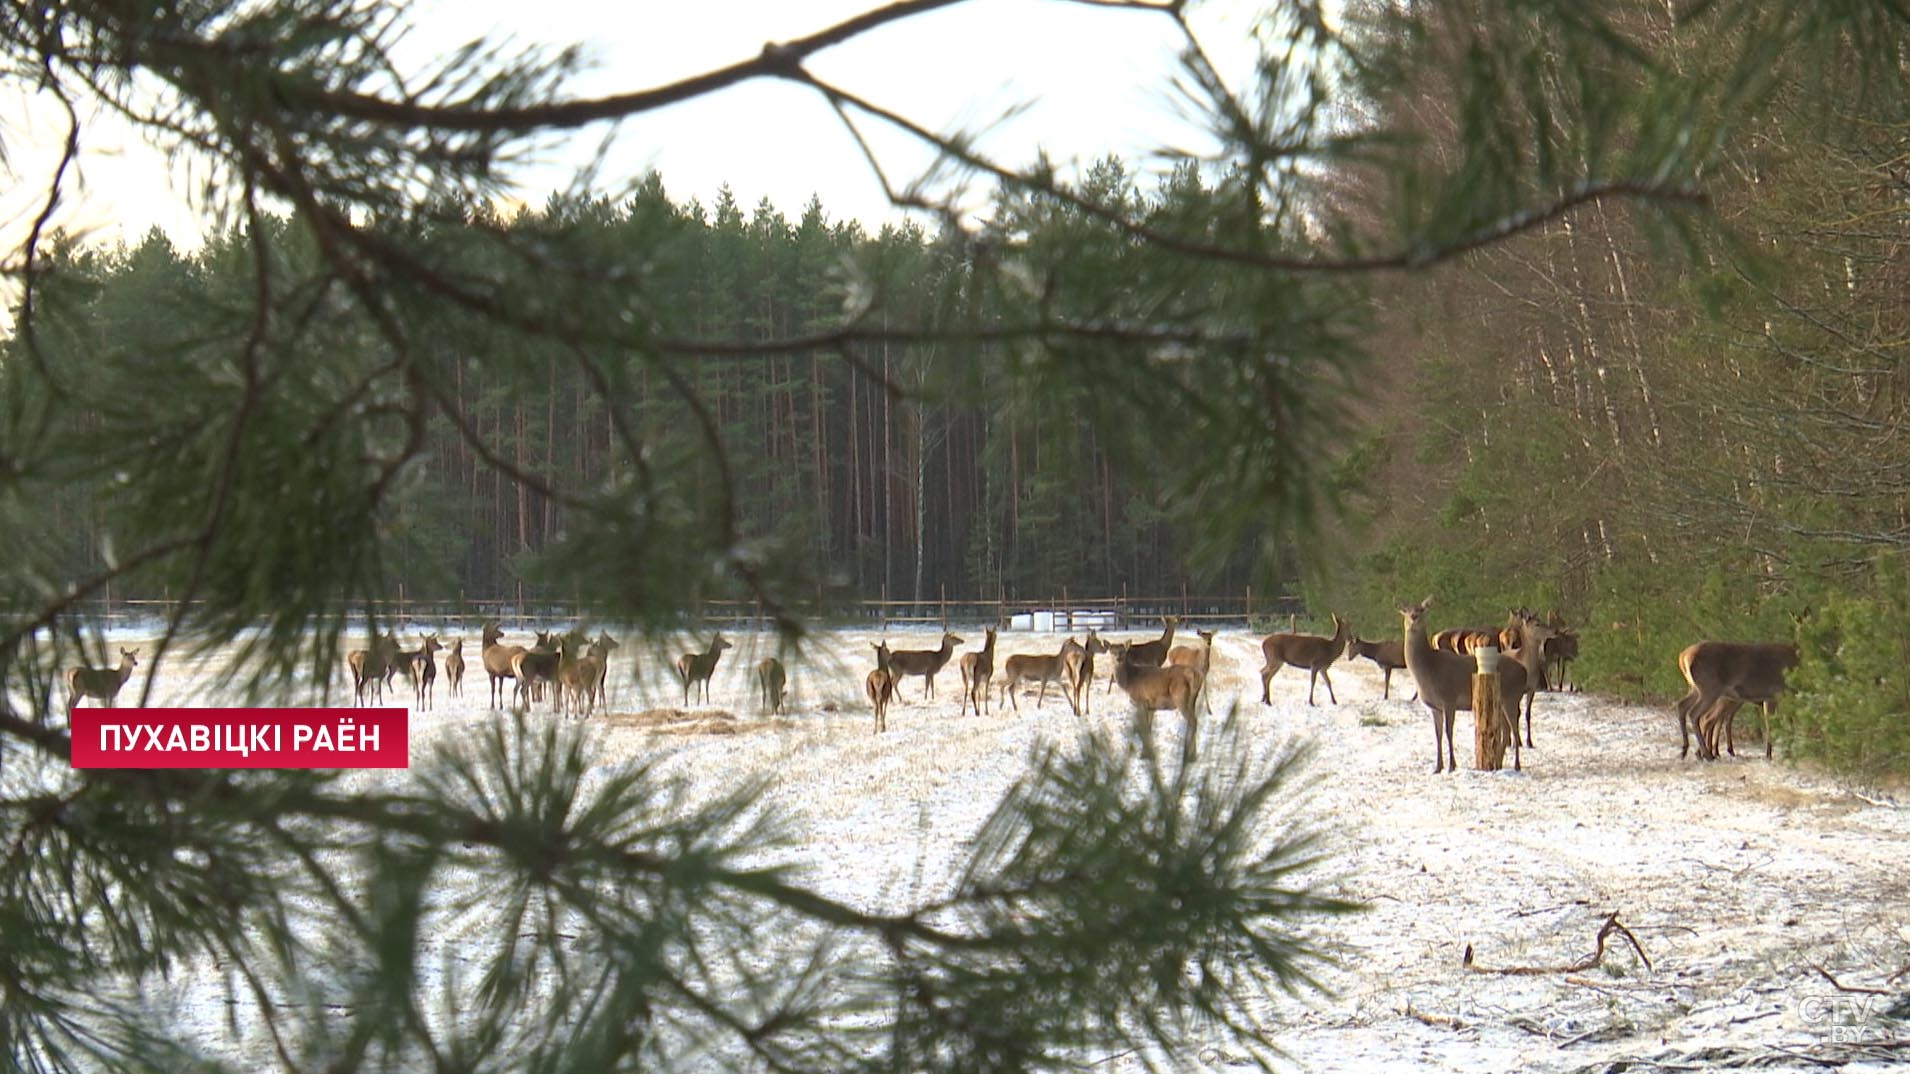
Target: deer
x=497 y=658
x=1200 y=658
x=977 y=668
x=1310 y=651
x=697 y=668
x=881 y=686
x=1151 y=653
x=1077 y=663
x=420 y=665
x=1527 y=637
x=1445 y=686
x=1389 y=655
x=924 y=662
x=1724 y=676
x=577 y=679
x=1463 y=640
x=770 y=679
x=1158 y=689
x=454 y=668
x=371 y=668
x=536 y=667
x=600 y=650
x=1560 y=652
x=101 y=684
x=1021 y=668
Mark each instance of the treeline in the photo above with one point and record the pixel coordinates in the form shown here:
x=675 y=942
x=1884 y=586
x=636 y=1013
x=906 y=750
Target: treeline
x=888 y=453
x=1711 y=444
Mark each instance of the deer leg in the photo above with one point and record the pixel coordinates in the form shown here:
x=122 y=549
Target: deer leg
x=1329 y=687
x=1705 y=725
x=1386 y=685
x=1528 y=723
x=1266 y=683
x=1770 y=710
x=1439 y=742
x=1684 y=729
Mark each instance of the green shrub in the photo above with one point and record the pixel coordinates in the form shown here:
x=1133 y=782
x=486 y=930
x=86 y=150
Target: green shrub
x=1851 y=693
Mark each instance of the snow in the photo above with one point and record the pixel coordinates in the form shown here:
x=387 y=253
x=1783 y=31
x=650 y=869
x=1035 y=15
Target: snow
x=1737 y=877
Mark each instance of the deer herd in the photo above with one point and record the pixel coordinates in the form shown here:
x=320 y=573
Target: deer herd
x=1157 y=675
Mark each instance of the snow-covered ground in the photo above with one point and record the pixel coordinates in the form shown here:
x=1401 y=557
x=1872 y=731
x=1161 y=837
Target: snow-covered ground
x=1737 y=878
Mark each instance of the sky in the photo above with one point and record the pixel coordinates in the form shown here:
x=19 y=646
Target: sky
x=1081 y=81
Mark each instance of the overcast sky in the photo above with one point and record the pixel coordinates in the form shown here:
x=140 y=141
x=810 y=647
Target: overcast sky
x=1092 y=81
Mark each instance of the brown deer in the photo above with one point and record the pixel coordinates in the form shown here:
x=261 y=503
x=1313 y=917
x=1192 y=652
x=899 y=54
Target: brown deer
x=977 y=668
x=924 y=662
x=600 y=650
x=1463 y=640
x=536 y=667
x=1077 y=663
x=578 y=680
x=101 y=684
x=1201 y=659
x=1445 y=685
x=420 y=665
x=1309 y=651
x=1724 y=676
x=1530 y=635
x=1021 y=668
x=1560 y=652
x=771 y=677
x=1151 y=654
x=697 y=668
x=454 y=668
x=371 y=668
x=497 y=658
x=1389 y=655
x=881 y=686
x=1159 y=689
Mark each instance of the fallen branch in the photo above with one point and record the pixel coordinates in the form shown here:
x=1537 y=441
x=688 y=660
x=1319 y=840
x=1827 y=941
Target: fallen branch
x=1883 y=1051
x=1589 y=961
x=1443 y=1021
x=1842 y=987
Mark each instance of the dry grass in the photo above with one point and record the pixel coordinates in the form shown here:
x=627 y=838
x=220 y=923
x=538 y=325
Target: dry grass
x=673 y=721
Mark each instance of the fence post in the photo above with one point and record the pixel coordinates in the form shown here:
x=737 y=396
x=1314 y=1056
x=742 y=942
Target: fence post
x=1490 y=733
x=944 y=590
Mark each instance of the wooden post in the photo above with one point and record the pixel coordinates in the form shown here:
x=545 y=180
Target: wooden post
x=1490 y=732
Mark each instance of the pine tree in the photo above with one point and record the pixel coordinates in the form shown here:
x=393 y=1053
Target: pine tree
x=261 y=472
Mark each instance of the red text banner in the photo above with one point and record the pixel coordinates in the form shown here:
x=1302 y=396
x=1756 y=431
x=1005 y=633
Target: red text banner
x=240 y=738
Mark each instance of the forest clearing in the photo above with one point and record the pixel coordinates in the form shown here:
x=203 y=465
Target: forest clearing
x=1738 y=879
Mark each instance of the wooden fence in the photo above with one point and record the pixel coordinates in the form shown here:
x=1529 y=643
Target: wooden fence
x=1063 y=611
